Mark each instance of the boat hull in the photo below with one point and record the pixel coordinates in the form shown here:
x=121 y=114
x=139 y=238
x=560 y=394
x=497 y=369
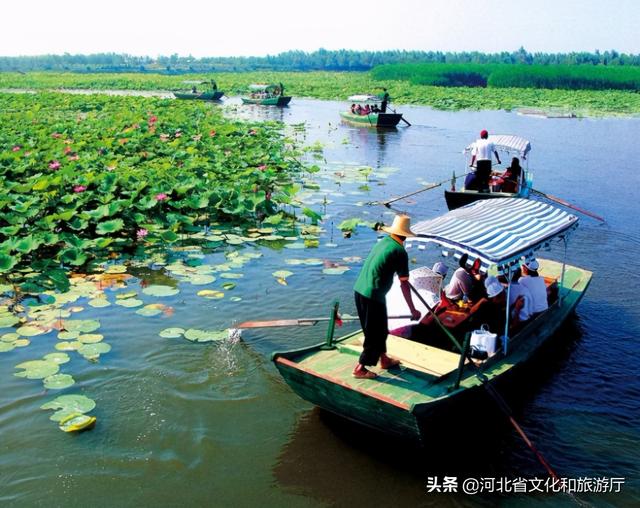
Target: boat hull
x=379 y=120
x=407 y=402
x=204 y=96
x=270 y=101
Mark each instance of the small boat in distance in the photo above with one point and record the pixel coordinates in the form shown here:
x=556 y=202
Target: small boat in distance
x=367 y=111
x=210 y=92
x=437 y=370
x=267 y=95
x=513 y=146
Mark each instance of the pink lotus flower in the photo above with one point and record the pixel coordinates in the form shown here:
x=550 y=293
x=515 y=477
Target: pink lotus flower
x=153 y=119
x=16 y=148
x=54 y=165
x=178 y=134
x=141 y=233
x=161 y=197
x=67 y=149
x=212 y=133
x=73 y=157
x=56 y=135
x=262 y=167
x=79 y=188
x=253 y=132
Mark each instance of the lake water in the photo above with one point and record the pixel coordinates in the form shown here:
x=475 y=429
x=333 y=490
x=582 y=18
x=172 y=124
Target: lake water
x=214 y=424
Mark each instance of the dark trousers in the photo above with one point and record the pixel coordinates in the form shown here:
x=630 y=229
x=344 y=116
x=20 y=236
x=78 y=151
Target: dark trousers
x=479 y=179
x=373 y=319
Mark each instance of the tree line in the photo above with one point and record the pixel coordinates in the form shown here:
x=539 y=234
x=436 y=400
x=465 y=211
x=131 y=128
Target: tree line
x=322 y=59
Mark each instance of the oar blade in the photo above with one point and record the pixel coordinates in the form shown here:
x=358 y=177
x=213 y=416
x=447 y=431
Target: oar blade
x=276 y=322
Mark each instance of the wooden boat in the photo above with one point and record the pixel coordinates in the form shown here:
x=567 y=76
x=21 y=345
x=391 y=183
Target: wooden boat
x=435 y=377
x=375 y=119
x=511 y=146
x=267 y=95
x=211 y=92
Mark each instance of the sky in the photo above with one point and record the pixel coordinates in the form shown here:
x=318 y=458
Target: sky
x=257 y=28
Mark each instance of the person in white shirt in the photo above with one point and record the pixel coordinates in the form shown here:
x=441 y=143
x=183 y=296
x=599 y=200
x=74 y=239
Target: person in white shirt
x=481 y=155
x=535 y=284
x=522 y=310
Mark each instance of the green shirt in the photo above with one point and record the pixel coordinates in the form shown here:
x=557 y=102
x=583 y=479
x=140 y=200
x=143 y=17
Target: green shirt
x=376 y=277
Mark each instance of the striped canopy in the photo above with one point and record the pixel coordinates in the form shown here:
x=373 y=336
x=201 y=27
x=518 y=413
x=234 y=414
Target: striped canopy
x=511 y=144
x=498 y=231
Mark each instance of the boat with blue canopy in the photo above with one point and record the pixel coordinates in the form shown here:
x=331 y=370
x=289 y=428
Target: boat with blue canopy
x=367 y=111
x=508 y=146
x=267 y=95
x=437 y=368
x=208 y=91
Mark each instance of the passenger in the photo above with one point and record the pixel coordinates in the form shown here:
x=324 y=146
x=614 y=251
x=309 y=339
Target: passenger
x=353 y=108
x=193 y=89
x=493 y=312
x=375 y=109
x=520 y=300
x=366 y=110
x=387 y=258
x=358 y=109
x=510 y=179
x=535 y=284
x=463 y=282
x=481 y=154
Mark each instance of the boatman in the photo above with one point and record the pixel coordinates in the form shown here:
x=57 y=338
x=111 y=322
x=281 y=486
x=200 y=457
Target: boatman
x=481 y=154
x=387 y=258
x=385 y=100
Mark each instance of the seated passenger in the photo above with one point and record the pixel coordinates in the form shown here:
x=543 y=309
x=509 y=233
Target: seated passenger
x=463 y=282
x=520 y=300
x=509 y=180
x=358 y=109
x=535 y=284
x=366 y=110
x=493 y=312
x=375 y=109
x=353 y=108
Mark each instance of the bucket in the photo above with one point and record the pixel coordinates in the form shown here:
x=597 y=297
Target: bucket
x=483 y=340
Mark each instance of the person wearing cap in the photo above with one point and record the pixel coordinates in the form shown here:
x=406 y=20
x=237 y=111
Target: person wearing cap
x=463 y=281
x=535 y=284
x=387 y=258
x=481 y=154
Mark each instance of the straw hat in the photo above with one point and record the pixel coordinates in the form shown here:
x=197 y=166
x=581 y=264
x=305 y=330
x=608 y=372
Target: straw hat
x=399 y=227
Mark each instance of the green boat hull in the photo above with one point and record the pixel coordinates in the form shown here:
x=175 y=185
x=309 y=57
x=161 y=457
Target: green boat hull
x=372 y=119
x=204 y=96
x=406 y=402
x=270 y=101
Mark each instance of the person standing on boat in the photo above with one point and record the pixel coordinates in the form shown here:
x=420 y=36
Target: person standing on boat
x=481 y=154
x=387 y=258
x=385 y=100
x=535 y=284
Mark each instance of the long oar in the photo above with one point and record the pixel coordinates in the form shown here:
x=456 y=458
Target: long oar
x=401 y=118
x=489 y=388
x=567 y=204
x=298 y=322
x=424 y=189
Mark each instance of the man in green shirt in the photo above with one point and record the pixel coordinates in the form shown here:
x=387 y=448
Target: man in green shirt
x=387 y=258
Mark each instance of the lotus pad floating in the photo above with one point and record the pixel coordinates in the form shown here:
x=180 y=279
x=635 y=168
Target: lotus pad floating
x=7 y=320
x=69 y=404
x=90 y=338
x=195 y=335
x=58 y=381
x=116 y=269
x=295 y=246
x=159 y=290
x=37 y=369
x=76 y=422
x=31 y=330
x=282 y=274
x=93 y=351
x=9 y=337
x=99 y=302
x=235 y=299
x=58 y=358
x=130 y=302
x=172 y=333
x=21 y=342
x=228 y=285
x=200 y=280
x=81 y=325
x=228 y=275
x=149 y=310
x=128 y=294
x=211 y=294
x=68 y=335
x=68 y=346
x=5 y=347
x=337 y=270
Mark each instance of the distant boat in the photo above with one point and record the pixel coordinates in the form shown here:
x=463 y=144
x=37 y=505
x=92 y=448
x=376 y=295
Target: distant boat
x=375 y=118
x=436 y=375
x=210 y=93
x=267 y=95
x=512 y=145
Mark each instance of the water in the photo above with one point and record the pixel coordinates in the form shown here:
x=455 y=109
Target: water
x=215 y=425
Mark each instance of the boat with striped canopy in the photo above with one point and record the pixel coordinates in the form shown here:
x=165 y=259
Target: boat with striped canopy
x=437 y=371
x=267 y=95
x=508 y=145
x=370 y=119
x=210 y=93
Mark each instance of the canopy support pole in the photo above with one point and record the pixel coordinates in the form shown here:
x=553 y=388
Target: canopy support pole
x=564 y=262
x=505 y=339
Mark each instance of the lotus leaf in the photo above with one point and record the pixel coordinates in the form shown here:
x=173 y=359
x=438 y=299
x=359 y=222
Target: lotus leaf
x=9 y=337
x=229 y=285
x=37 y=369
x=195 y=335
x=68 y=346
x=58 y=381
x=149 y=311
x=200 y=280
x=70 y=403
x=235 y=299
x=231 y=275
x=282 y=274
x=295 y=246
x=93 y=351
x=21 y=342
x=113 y=269
x=90 y=338
x=159 y=290
x=211 y=294
x=172 y=333
x=110 y=226
x=6 y=346
x=128 y=294
x=68 y=335
x=82 y=325
x=58 y=358
x=31 y=330
x=76 y=421
x=8 y=320
x=99 y=302
x=336 y=270
x=129 y=302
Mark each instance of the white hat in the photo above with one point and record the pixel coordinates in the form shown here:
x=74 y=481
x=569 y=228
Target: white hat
x=490 y=280
x=440 y=268
x=399 y=227
x=494 y=289
x=532 y=264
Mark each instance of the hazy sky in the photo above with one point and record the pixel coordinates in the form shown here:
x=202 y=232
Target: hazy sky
x=251 y=27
